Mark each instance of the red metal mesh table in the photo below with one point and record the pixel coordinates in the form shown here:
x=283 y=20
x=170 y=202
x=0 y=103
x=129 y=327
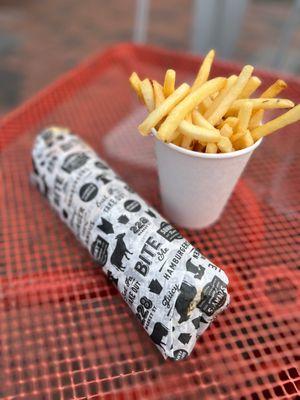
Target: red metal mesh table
x=65 y=331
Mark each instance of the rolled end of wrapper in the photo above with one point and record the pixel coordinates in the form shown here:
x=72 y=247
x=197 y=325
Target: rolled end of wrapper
x=170 y=286
x=202 y=295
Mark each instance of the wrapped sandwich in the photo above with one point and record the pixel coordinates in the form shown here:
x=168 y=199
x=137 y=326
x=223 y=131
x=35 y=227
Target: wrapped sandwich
x=172 y=289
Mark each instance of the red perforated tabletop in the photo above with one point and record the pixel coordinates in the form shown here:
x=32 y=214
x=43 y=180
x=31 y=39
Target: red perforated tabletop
x=66 y=332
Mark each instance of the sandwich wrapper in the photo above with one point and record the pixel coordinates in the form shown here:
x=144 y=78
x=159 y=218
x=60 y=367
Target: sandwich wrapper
x=169 y=285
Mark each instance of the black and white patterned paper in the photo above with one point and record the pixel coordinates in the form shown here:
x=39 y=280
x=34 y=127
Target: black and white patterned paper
x=173 y=290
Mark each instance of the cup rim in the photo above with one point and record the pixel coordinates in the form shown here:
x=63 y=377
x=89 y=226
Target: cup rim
x=192 y=153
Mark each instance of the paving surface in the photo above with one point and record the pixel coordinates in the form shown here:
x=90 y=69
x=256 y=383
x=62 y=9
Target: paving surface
x=39 y=40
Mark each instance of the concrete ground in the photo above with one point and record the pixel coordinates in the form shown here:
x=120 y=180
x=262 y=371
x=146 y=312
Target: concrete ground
x=39 y=40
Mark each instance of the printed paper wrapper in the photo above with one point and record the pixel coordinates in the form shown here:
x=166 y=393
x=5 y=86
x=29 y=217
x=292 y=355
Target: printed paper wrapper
x=173 y=290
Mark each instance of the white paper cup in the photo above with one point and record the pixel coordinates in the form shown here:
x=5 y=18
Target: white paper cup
x=195 y=187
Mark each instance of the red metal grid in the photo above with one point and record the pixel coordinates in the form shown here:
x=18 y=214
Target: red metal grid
x=65 y=331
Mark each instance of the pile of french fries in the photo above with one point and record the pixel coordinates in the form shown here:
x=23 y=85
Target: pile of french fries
x=212 y=115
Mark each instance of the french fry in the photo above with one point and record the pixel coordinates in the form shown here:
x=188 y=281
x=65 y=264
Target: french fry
x=223 y=93
x=263 y=103
x=225 y=145
x=256 y=119
x=270 y=92
x=203 y=135
x=148 y=95
x=169 y=82
x=187 y=142
x=201 y=108
x=135 y=83
x=232 y=95
x=226 y=131
x=207 y=102
x=211 y=148
x=158 y=93
x=188 y=118
x=244 y=116
x=161 y=111
x=253 y=83
x=283 y=120
x=231 y=113
x=237 y=136
x=199 y=120
x=178 y=140
x=231 y=121
x=187 y=105
x=274 y=89
x=245 y=141
x=204 y=70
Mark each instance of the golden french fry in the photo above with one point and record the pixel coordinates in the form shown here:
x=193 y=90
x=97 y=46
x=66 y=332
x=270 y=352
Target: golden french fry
x=270 y=92
x=203 y=135
x=158 y=93
x=204 y=70
x=225 y=145
x=274 y=89
x=178 y=140
x=245 y=141
x=161 y=111
x=283 y=120
x=201 y=108
x=231 y=113
x=231 y=96
x=244 y=116
x=262 y=103
x=169 y=82
x=256 y=119
x=135 y=83
x=186 y=106
x=211 y=148
x=226 y=131
x=231 y=121
x=253 y=83
x=188 y=118
x=199 y=120
x=223 y=93
x=187 y=142
x=147 y=93
x=237 y=136
x=207 y=102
